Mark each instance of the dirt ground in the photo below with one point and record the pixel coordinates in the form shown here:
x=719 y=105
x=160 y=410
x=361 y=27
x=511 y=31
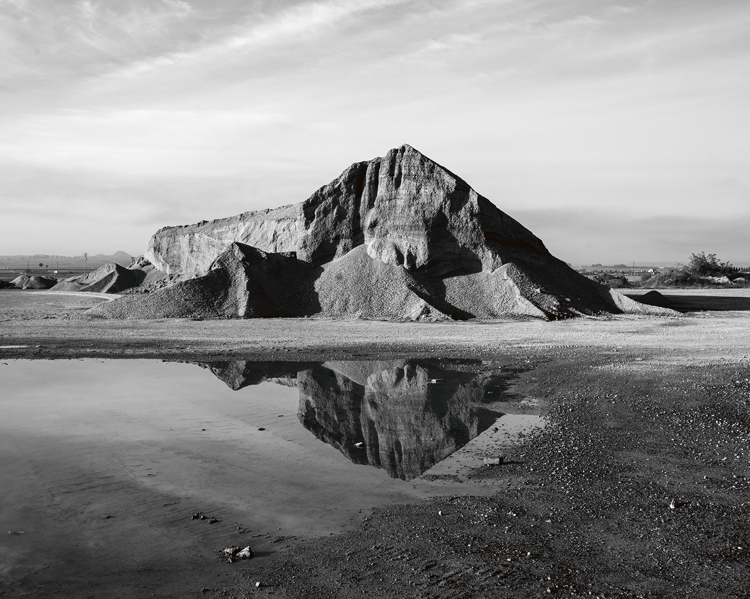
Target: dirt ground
x=639 y=485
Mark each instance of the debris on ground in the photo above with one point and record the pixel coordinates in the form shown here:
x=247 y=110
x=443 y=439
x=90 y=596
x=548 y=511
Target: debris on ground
x=234 y=554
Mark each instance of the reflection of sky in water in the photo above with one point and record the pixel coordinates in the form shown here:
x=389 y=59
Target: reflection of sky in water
x=150 y=443
x=402 y=416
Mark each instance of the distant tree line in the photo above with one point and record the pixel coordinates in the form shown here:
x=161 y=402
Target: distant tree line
x=708 y=265
x=701 y=270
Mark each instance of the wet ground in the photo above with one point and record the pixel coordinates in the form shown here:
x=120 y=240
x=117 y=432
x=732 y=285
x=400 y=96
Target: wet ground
x=106 y=462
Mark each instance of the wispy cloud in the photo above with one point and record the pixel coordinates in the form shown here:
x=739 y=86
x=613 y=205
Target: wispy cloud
x=296 y=23
x=47 y=40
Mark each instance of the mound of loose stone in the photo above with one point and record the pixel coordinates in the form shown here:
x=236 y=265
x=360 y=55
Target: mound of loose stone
x=33 y=282
x=395 y=237
x=108 y=278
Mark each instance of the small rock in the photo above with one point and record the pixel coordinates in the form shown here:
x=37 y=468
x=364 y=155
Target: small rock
x=359 y=445
x=493 y=461
x=233 y=554
x=257 y=585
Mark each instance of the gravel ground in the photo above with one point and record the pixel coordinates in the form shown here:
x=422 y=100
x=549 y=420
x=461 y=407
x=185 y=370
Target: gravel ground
x=637 y=487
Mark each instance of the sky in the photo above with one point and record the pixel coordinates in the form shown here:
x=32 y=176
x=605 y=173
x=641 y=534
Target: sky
x=615 y=132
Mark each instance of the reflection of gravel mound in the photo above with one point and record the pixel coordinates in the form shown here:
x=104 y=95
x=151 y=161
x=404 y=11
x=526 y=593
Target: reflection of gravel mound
x=33 y=282
x=390 y=416
x=108 y=278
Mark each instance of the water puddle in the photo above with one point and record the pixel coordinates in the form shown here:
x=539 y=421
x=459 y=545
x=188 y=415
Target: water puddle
x=400 y=416
x=107 y=461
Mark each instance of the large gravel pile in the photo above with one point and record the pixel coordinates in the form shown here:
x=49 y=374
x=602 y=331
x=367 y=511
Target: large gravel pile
x=397 y=237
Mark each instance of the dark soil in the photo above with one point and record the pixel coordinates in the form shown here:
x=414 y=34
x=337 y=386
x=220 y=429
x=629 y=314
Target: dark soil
x=639 y=487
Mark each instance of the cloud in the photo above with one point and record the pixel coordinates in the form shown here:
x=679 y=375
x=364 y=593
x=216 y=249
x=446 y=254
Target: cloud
x=48 y=41
x=300 y=21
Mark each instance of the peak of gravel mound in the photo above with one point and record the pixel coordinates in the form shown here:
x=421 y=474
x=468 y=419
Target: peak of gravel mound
x=33 y=282
x=406 y=209
x=397 y=237
x=108 y=278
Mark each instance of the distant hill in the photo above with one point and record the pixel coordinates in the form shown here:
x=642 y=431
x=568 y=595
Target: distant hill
x=118 y=257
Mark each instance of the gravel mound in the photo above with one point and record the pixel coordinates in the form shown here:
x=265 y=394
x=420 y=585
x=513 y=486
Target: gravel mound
x=34 y=282
x=397 y=237
x=358 y=286
x=243 y=282
x=108 y=278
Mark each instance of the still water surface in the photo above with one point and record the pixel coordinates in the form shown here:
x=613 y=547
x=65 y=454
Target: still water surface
x=104 y=462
